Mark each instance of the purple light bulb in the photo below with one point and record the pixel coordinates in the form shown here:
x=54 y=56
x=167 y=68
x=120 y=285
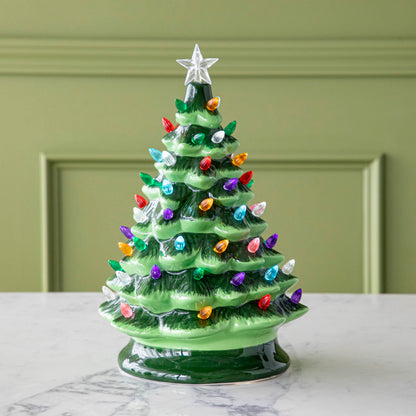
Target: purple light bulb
x=238 y=279
x=271 y=241
x=167 y=214
x=296 y=296
x=126 y=231
x=155 y=272
x=230 y=184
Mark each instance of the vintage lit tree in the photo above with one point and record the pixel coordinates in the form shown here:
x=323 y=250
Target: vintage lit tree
x=199 y=291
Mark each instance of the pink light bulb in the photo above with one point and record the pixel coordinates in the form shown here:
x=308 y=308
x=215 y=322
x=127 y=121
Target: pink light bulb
x=253 y=245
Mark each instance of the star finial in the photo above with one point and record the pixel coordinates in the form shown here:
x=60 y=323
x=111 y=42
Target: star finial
x=197 y=67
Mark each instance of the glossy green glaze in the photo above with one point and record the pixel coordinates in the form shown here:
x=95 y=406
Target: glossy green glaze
x=227 y=328
x=182 y=291
x=198 y=253
x=170 y=339
x=188 y=366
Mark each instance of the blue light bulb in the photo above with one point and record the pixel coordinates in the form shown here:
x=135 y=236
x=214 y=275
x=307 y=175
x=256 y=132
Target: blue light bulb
x=271 y=273
x=167 y=187
x=179 y=243
x=156 y=155
x=240 y=212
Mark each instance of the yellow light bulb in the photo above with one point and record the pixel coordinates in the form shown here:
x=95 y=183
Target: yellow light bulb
x=125 y=249
x=213 y=103
x=221 y=246
x=239 y=159
x=206 y=204
x=205 y=313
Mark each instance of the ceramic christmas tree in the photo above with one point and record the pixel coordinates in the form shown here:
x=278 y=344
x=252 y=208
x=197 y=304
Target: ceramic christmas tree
x=199 y=291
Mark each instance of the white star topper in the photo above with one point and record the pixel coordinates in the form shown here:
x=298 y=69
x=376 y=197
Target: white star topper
x=197 y=67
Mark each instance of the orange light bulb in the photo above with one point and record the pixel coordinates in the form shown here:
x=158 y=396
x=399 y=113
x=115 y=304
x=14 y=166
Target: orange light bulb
x=205 y=313
x=206 y=204
x=239 y=159
x=213 y=103
x=221 y=246
x=125 y=249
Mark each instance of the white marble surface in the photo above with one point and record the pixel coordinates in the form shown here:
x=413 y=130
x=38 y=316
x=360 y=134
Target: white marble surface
x=351 y=355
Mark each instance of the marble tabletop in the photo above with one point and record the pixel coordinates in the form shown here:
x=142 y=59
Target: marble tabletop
x=351 y=355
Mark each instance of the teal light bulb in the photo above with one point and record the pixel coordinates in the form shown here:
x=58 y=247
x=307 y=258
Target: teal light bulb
x=167 y=187
x=156 y=154
x=240 y=212
x=179 y=243
x=271 y=273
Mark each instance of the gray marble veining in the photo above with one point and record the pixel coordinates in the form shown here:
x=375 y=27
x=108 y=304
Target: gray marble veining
x=351 y=355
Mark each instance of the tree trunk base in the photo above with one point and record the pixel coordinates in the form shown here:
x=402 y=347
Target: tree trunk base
x=204 y=367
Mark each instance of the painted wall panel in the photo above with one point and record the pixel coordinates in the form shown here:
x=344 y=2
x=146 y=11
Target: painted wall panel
x=317 y=205
x=322 y=78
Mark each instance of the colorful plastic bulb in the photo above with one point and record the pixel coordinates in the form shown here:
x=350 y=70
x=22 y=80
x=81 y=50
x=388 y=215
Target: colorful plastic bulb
x=138 y=215
x=139 y=244
x=218 y=136
x=198 y=138
x=123 y=278
x=167 y=214
x=221 y=246
x=180 y=105
x=126 y=231
x=288 y=267
x=205 y=163
x=238 y=279
x=147 y=179
x=205 y=313
x=213 y=103
x=271 y=241
x=140 y=201
x=167 y=187
x=167 y=125
x=155 y=272
x=250 y=184
x=206 y=204
x=239 y=159
x=264 y=302
x=271 y=273
x=230 y=184
x=240 y=212
x=125 y=249
x=198 y=273
x=108 y=293
x=156 y=154
x=295 y=298
x=245 y=178
x=229 y=129
x=168 y=158
x=253 y=245
x=180 y=243
x=115 y=265
x=258 y=209
x=126 y=310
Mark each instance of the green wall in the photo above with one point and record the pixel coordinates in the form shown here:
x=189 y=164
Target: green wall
x=323 y=92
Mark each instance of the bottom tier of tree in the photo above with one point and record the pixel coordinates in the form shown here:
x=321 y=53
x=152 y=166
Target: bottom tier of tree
x=227 y=327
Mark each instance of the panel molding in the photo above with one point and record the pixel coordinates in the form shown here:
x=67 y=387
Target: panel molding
x=248 y=58
x=371 y=167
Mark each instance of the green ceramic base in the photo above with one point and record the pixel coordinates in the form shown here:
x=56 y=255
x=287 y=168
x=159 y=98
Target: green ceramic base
x=186 y=366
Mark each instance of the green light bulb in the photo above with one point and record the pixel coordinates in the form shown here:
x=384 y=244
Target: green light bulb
x=229 y=129
x=180 y=105
x=139 y=243
x=198 y=273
